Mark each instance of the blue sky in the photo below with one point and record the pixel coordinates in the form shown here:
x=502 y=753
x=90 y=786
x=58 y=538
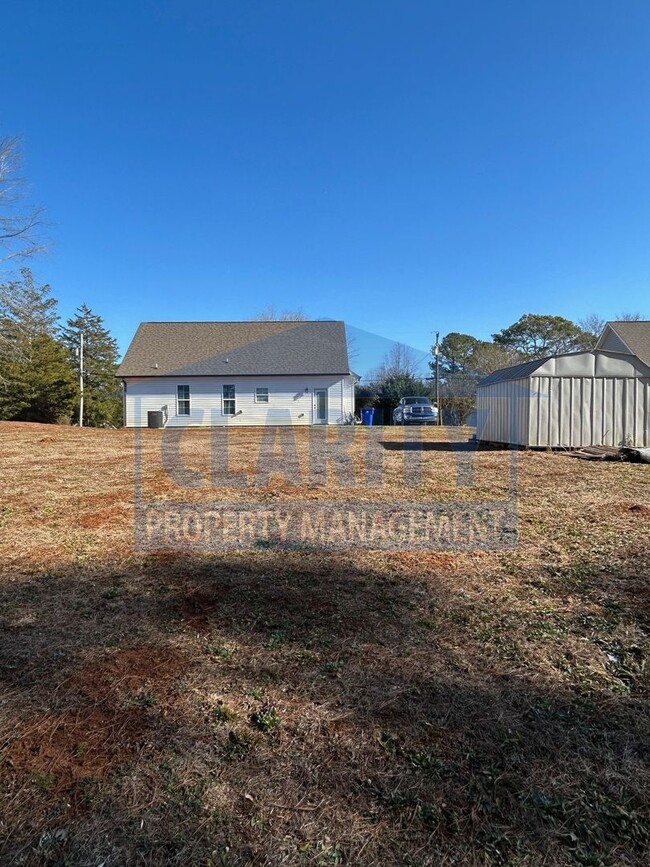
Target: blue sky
x=405 y=166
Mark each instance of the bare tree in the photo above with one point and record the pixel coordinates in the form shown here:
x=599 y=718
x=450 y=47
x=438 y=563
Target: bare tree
x=489 y=357
x=353 y=345
x=629 y=317
x=396 y=377
x=19 y=224
x=593 y=325
x=398 y=361
x=272 y=314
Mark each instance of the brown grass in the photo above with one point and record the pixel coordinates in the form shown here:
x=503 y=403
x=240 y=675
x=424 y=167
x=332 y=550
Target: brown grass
x=315 y=708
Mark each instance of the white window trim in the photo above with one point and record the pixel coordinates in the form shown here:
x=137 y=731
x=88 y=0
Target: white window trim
x=268 y=394
x=188 y=400
x=224 y=399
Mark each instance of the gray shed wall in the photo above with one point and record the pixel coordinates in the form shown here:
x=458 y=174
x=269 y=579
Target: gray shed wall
x=590 y=398
x=502 y=412
x=582 y=411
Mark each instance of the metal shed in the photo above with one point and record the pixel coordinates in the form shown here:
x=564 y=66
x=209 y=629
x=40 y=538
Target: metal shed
x=571 y=400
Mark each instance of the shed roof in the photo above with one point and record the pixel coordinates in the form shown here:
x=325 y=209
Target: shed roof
x=516 y=371
x=635 y=335
x=236 y=349
x=592 y=362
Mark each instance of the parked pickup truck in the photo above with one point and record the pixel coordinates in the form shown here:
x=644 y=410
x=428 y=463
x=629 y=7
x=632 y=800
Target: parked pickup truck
x=415 y=410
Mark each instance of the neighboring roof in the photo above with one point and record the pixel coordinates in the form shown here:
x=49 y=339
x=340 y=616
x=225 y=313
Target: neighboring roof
x=236 y=349
x=635 y=335
x=591 y=362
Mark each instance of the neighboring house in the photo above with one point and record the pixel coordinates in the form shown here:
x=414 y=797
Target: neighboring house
x=632 y=338
x=576 y=399
x=238 y=373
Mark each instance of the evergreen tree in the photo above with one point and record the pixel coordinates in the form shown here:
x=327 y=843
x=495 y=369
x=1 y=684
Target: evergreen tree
x=536 y=336
x=27 y=311
x=456 y=353
x=102 y=391
x=42 y=387
x=36 y=383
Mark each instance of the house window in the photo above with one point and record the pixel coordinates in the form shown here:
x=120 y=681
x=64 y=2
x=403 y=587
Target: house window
x=183 y=400
x=261 y=395
x=228 y=399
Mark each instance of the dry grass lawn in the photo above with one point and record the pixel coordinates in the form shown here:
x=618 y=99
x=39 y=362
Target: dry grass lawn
x=314 y=707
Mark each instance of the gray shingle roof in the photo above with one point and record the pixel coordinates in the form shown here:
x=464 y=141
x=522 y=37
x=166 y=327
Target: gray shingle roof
x=636 y=336
x=236 y=349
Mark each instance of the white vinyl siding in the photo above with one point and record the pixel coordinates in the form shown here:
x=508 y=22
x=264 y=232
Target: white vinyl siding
x=347 y=394
x=291 y=400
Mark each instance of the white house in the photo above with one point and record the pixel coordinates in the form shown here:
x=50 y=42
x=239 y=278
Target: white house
x=237 y=373
x=630 y=338
x=597 y=397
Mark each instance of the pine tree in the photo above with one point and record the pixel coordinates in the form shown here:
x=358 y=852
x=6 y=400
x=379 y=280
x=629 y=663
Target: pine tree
x=42 y=388
x=36 y=383
x=27 y=311
x=102 y=392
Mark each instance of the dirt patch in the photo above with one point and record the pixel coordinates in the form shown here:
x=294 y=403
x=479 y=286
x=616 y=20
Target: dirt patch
x=58 y=750
x=102 y=518
x=115 y=704
x=44 y=555
x=105 y=499
x=195 y=609
x=130 y=671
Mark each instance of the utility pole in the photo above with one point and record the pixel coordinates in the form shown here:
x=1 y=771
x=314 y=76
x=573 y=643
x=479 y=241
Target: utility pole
x=437 y=354
x=81 y=379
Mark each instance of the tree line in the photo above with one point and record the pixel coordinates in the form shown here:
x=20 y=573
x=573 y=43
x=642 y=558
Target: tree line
x=39 y=359
x=39 y=355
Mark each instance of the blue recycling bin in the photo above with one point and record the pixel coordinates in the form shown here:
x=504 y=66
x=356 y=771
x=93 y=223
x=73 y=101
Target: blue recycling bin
x=366 y=414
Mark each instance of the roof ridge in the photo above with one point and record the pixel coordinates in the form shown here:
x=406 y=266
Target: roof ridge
x=236 y=321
